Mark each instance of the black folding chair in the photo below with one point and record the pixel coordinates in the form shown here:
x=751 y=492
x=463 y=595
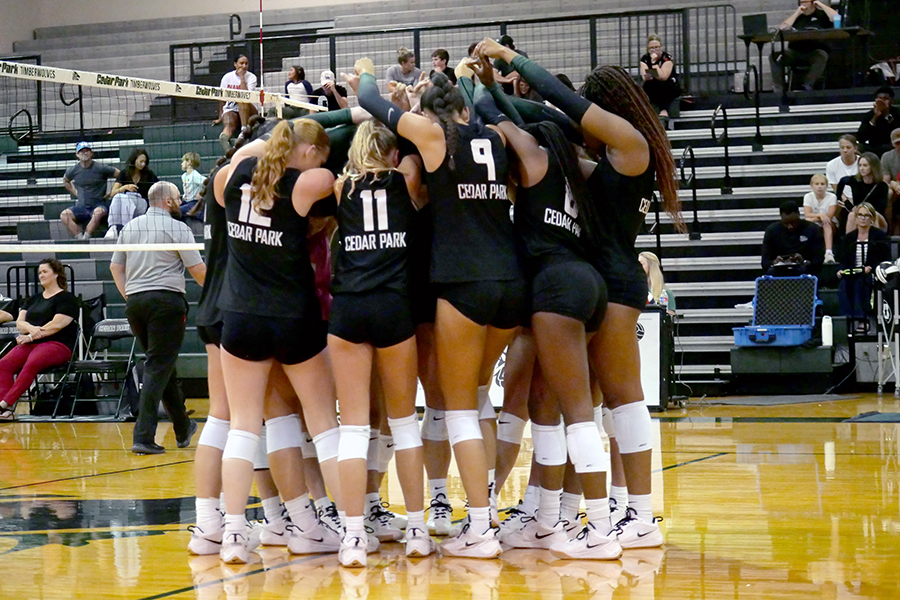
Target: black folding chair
x=102 y=365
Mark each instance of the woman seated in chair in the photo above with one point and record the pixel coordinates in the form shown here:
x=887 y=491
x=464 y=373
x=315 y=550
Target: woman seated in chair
x=863 y=249
x=48 y=335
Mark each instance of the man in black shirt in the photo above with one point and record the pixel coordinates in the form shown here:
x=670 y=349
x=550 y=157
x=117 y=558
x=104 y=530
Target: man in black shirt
x=875 y=129
x=792 y=246
x=810 y=14
x=329 y=94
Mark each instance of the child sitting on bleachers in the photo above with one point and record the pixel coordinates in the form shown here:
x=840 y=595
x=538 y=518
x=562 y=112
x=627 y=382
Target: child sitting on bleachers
x=820 y=207
x=191 y=183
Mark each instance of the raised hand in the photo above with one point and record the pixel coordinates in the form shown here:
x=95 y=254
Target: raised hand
x=364 y=65
x=484 y=70
x=352 y=81
x=463 y=69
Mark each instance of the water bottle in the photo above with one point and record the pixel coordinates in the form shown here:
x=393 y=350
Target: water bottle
x=837 y=21
x=827 y=332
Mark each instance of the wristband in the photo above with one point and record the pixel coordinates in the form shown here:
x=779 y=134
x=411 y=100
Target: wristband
x=371 y=100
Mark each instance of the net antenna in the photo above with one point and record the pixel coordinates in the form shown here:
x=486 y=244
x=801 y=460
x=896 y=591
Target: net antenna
x=262 y=73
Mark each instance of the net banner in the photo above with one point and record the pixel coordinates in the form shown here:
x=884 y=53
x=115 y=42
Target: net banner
x=153 y=86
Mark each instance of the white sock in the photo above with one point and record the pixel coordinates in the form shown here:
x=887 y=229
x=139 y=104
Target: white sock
x=548 y=507
x=355 y=527
x=620 y=495
x=642 y=505
x=272 y=508
x=236 y=524
x=372 y=500
x=569 y=505
x=322 y=504
x=222 y=503
x=208 y=515
x=479 y=518
x=437 y=487
x=530 y=501
x=597 y=510
x=302 y=513
x=415 y=519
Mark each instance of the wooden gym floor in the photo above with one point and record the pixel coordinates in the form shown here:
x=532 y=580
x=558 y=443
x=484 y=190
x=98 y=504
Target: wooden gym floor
x=759 y=502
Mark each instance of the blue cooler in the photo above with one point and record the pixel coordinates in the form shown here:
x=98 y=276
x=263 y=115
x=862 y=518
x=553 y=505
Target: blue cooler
x=784 y=312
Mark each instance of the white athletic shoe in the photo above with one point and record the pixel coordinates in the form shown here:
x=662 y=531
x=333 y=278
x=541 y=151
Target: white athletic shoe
x=380 y=522
x=205 y=542
x=495 y=513
x=590 y=544
x=635 y=532
x=573 y=528
x=329 y=518
x=317 y=540
x=373 y=544
x=514 y=518
x=457 y=528
x=275 y=532
x=418 y=543
x=440 y=516
x=398 y=521
x=469 y=544
x=235 y=549
x=616 y=512
x=533 y=534
x=353 y=552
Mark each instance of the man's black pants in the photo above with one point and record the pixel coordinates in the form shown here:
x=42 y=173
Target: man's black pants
x=157 y=319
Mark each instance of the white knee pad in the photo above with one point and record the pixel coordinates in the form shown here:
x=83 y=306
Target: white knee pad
x=327 y=444
x=307 y=447
x=241 y=445
x=586 y=448
x=385 y=451
x=434 y=425
x=608 y=424
x=215 y=433
x=354 y=443
x=261 y=462
x=510 y=428
x=405 y=432
x=549 y=444
x=283 y=432
x=634 y=431
x=462 y=425
x=374 y=450
x=485 y=408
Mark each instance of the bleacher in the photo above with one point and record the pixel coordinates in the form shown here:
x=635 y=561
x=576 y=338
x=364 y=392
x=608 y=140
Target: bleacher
x=709 y=276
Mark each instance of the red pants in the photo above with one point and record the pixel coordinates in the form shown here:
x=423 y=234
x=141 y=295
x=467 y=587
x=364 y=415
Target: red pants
x=28 y=360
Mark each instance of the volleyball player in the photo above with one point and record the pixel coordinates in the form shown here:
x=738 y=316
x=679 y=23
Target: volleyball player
x=617 y=123
x=371 y=324
x=272 y=314
x=474 y=265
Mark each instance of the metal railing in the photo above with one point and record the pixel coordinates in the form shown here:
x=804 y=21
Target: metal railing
x=722 y=140
x=688 y=155
x=757 y=139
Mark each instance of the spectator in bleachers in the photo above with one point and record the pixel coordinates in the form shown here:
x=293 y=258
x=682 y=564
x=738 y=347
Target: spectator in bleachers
x=876 y=126
x=862 y=251
x=86 y=181
x=660 y=81
x=504 y=73
x=890 y=164
x=48 y=335
x=792 y=246
x=846 y=163
x=867 y=186
x=820 y=207
x=234 y=115
x=330 y=94
x=524 y=90
x=810 y=53
x=657 y=293
x=191 y=183
x=405 y=71
x=299 y=89
x=129 y=192
x=439 y=60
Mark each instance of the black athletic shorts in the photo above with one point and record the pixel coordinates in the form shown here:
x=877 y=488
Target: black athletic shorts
x=631 y=293
x=572 y=289
x=211 y=334
x=381 y=318
x=500 y=304
x=422 y=301
x=288 y=340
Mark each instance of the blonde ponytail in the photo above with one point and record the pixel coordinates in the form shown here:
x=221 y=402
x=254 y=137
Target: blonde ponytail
x=370 y=152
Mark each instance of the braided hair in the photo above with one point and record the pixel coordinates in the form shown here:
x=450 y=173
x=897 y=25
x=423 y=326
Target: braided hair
x=560 y=151
x=445 y=101
x=613 y=90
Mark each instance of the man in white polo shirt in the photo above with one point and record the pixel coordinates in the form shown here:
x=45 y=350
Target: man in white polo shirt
x=152 y=283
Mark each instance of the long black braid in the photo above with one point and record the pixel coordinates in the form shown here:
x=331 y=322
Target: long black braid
x=444 y=99
x=551 y=136
x=613 y=90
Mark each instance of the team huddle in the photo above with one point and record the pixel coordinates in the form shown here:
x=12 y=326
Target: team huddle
x=464 y=223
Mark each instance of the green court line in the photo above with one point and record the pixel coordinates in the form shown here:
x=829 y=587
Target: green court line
x=24 y=485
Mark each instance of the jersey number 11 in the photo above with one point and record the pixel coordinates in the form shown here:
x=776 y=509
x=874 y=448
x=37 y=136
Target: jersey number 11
x=380 y=199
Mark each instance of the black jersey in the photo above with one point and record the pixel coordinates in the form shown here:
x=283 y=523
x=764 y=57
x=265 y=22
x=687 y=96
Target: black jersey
x=215 y=242
x=269 y=271
x=473 y=233
x=624 y=201
x=374 y=223
x=546 y=218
